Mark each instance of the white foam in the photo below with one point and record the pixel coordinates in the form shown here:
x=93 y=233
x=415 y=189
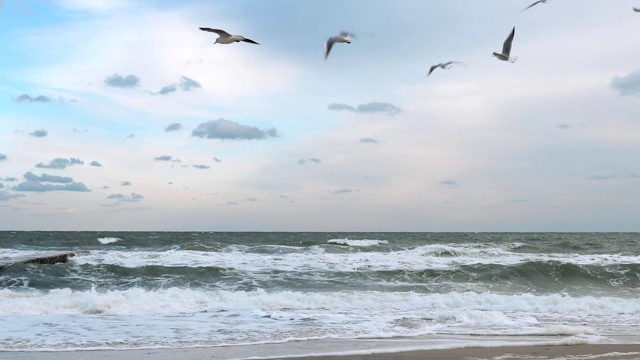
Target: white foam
x=108 y=240
x=359 y=243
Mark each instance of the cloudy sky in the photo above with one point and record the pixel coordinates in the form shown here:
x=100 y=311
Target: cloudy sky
x=123 y=115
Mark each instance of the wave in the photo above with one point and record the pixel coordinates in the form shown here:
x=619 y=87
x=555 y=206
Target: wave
x=108 y=240
x=360 y=243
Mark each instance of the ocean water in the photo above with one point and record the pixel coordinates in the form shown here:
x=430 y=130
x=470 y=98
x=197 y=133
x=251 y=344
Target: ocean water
x=284 y=294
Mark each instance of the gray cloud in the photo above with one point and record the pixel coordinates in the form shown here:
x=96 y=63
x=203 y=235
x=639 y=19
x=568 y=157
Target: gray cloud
x=37 y=186
x=368 y=140
x=10 y=178
x=95 y=163
x=343 y=191
x=225 y=129
x=563 y=126
x=166 y=90
x=186 y=84
x=48 y=178
x=201 y=166
x=116 y=80
x=60 y=163
x=5 y=196
x=449 y=182
x=3 y=157
x=39 y=133
x=173 y=127
x=163 y=158
x=369 y=108
x=314 y=160
x=1 y=185
x=125 y=183
x=133 y=197
x=628 y=84
x=29 y=99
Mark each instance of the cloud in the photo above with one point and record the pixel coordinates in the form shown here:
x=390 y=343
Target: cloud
x=628 y=84
x=343 y=191
x=173 y=127
x=5 y=196
x=38 y=99
x=186 y=84
x=369 y=108
x=133 y=197
x=314 y=160
x=563 y=126
x=125 y=183
x=48 y=178
x=116 y=80
x=201 y=166
x=225 y=129
x=368 y=141
x=166 y=90
x=95 y=163
x=59 y=163
x=10 y=178
x=39 y=133
x=163 y=158
x=216 y=159
x=3 y=157
x=37 y=186
x=449 y=182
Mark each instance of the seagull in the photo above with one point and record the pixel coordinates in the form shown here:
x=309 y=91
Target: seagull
x=506 y=49
x=446 y=66
x=226 y=38
x=535 y=3
x=342 y=38
x=636 y=9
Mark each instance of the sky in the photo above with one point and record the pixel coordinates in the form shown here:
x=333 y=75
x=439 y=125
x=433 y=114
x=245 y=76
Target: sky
x=123 y=115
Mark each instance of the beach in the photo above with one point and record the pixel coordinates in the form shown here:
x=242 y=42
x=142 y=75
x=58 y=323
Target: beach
x=588 y=351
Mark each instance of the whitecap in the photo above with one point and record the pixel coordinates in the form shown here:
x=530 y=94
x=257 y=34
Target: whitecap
x=108 y=240
x=360 y=243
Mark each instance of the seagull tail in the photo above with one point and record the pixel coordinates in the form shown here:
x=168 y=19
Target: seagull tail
x=513 y=59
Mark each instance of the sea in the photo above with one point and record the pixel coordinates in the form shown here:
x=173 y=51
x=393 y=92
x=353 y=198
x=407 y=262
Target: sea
x=281 y=294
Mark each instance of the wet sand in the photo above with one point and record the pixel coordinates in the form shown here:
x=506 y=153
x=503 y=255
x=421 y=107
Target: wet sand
x=574 y=352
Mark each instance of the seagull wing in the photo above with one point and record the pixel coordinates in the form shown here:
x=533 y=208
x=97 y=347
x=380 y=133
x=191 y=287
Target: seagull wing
x=431 y=69
x=217 y=31
x=249 y=41
x=344 y=33
x=636 y=9
x=506 y=47
x=532 y=5
x=328 y=46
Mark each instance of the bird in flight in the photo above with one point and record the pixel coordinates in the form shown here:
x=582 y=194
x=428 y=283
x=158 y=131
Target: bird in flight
x=636 y=9
x=506 y=49
x=535 y=3
x=446 y=66
x=343 y=37
x=226 y=38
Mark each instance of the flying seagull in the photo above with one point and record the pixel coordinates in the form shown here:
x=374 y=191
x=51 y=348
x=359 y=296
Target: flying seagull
x=506 y=49
x=343 y=37
x=226 y=38
x=535 y=3
x=636 y=9
x=446 y=66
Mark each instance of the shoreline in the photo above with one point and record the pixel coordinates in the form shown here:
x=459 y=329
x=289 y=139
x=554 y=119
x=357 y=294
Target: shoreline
x=529 y=352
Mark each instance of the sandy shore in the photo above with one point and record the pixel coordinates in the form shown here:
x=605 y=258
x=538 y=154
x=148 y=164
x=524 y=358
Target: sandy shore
x=574 y=352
